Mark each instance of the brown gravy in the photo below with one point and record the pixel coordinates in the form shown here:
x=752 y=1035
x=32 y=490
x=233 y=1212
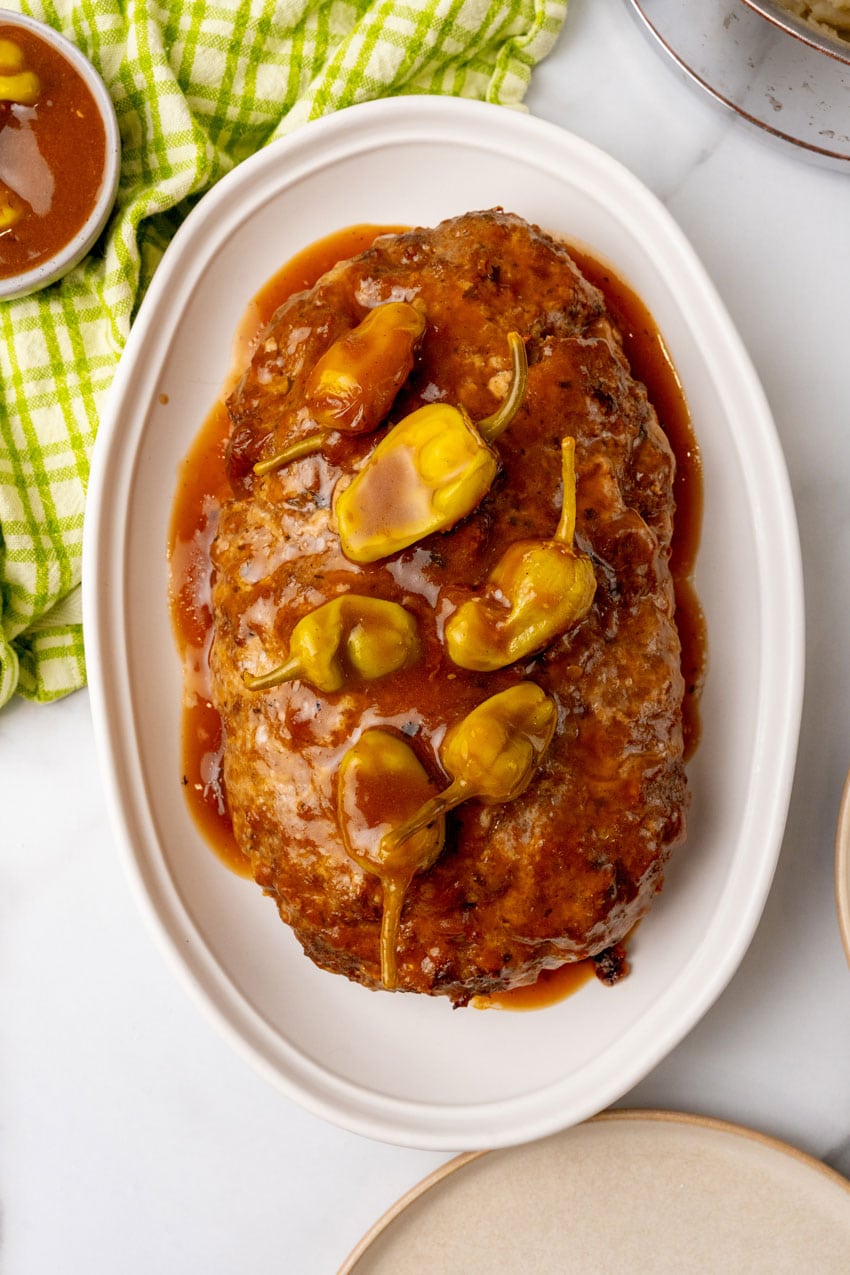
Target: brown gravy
x=651 y=363
x=550 y=987
x=202 y=487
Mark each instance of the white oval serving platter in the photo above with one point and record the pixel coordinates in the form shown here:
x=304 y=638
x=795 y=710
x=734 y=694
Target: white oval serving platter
x=409 y=1069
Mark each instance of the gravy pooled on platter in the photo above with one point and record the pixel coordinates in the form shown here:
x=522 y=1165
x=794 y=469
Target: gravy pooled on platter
x=445 y=655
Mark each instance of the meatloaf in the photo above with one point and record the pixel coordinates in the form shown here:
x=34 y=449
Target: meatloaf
x=565 y=869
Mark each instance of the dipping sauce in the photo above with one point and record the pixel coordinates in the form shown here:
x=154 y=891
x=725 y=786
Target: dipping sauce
x=52 y=151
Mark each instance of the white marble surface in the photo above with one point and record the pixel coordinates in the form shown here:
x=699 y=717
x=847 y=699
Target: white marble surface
x=133 y=1138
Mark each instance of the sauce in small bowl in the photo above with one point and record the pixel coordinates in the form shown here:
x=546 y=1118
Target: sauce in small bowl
x=59 y=155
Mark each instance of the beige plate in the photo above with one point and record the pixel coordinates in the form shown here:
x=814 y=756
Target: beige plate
x=647 y=1191
x=842 y=868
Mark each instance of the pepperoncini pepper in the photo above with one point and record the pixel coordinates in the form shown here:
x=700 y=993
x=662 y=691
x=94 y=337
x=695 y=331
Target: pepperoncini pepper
x=21 y=87
x=11 y=208
x=380 y=783
x=538 y=589
x=352 y=636
x=427 y=473
x=352 y=386
x=18 y=84
x=491 y=754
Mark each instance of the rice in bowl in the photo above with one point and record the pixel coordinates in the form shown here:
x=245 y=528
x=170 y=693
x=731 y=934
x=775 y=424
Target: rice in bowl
x=831 y=17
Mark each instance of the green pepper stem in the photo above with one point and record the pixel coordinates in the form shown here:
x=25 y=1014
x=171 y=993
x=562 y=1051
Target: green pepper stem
x=457 y=791
x=283 y=673
x=394 y=892
x=295 y=451
x=567 y=525
x=492 y=426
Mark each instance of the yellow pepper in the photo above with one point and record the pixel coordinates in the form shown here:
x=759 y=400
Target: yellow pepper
x=11 y=208
x=17 y=83
x=538 y=589
x=491 y=754
x=380 y=783
x=11 y=56
x=352 y=386
x=352 y=636
x=427 y=473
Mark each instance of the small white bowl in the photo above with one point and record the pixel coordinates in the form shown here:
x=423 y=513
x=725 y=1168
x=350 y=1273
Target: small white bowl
x=71 y=253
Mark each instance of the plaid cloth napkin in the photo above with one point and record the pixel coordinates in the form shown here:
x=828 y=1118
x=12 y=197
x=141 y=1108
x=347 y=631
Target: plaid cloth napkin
x=198 y=85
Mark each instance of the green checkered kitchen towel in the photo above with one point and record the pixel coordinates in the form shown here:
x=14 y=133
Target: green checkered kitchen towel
x=198 y=85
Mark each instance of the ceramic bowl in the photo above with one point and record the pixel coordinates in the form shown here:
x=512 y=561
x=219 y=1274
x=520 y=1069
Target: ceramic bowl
x=72 y=252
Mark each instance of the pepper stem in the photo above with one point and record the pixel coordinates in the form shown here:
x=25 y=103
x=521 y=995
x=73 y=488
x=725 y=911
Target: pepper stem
x=567 y=525
x=456 y=792
x=283 y=673
x=492 y=426
x=394 y=892
x=295 y=451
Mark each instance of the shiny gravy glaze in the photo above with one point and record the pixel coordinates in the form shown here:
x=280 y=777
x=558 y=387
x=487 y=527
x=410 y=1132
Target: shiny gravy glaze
x=203 y=486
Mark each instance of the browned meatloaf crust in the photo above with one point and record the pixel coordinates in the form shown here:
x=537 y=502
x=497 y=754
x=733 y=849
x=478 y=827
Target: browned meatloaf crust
x=567 y=869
